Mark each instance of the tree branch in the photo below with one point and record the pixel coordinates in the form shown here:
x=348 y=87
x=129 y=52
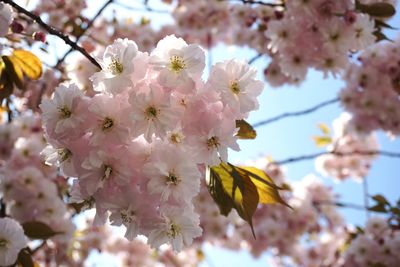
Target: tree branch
x=260 y=3
x=89 y=25
x=315 y=155
x=146 y=8
x=340 y=204
x=52 y=31
x=296 y=113
x=254 y=59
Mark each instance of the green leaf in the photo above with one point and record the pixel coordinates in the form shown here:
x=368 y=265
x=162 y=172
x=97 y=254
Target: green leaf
x=380 y=199
x=378 y=208
x=25 y=259
x=381 y=24
x=246 y=131
x=395 y=211
x=382 y=10
x=380 y=36
x=38 y=230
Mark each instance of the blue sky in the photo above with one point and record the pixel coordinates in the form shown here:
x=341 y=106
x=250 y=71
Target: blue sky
x=286 y=138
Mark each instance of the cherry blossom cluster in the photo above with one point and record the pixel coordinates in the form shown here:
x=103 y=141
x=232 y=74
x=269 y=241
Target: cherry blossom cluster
x=327 y=30
x=61 y=12
x=372 y=88
x=352 y=148
x=376 y=246
x=6 y=15
x=29 y=188
x=136 y=146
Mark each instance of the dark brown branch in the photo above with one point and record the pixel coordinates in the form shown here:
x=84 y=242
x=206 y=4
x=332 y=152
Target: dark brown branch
x=315 y=155
x=52 y=31
x=89 y=25
x=296 y=113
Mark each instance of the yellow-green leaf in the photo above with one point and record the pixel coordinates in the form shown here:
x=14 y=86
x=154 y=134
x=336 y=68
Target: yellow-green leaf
x=266 y=188
x=13 y=71
x=384 y=10
x=322 y=141
x=246 y=131
x=242 y=189
x=28 y=62
x=324 y=128
x=38 y=230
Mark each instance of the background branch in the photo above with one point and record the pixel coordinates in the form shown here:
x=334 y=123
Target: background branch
x=315 y=155
x=89 y=25
x=296 y=113
x=52 y=31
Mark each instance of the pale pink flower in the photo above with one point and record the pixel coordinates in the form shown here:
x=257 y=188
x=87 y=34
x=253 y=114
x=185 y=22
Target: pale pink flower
x=152 y=113
x=179 y=227
x=119 y=66
x=238 y=85
x=172 y=177
x=177 y=61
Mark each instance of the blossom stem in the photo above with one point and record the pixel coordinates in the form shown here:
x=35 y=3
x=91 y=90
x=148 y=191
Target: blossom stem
x=52 y=31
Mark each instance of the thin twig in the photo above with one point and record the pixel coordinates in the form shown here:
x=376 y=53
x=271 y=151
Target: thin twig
x=89 y=25
x=315 y=155
x=296 y=113
x=254 y=59
x=146 y=8
x=259 y=3
x=366 y=196
x=341 y=204
x=52 y=31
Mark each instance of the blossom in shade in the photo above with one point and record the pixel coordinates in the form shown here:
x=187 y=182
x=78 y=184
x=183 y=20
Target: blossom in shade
x=5 y=18
x=12 y=240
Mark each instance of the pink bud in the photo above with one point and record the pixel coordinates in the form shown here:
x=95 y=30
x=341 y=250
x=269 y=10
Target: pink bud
x=39 y=36
x=350 y=17
x=16 y=27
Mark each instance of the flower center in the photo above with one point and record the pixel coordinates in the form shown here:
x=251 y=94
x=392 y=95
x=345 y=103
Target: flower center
x=213 y=142
x=63 y=154
x=235 y=88
x=172 y=179
x=176 y=138
x=64 y=112
x=174 y=230
x=107 y=124
x=177 y=63
x=115 y=67
x=127 y=216
x=3 y=243
x=107 y=171
x=151 y=112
